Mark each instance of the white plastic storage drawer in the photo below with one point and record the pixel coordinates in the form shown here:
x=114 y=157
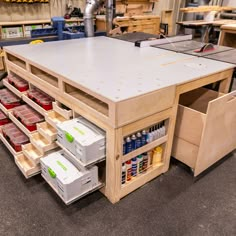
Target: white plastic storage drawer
x=68 y=181
x=83 y=139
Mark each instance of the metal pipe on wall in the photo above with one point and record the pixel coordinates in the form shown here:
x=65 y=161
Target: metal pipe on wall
x=90 y=8
x=110 y=14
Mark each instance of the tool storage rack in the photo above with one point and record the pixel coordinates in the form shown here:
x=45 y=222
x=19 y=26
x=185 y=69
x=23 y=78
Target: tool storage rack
x=100 y=94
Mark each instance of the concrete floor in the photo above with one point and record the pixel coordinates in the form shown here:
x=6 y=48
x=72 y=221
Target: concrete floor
x=172 y=204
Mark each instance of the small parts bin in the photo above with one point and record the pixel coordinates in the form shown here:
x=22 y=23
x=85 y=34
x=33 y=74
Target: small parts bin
x=28 y=116
x=3 y=119
x=8 y=99
x=18 y=83
x=41 y=98
x=14 y=136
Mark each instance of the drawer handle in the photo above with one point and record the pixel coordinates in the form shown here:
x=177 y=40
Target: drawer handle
x=52 y=173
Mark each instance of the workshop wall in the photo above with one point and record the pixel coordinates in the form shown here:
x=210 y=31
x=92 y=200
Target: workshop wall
x=37 y=11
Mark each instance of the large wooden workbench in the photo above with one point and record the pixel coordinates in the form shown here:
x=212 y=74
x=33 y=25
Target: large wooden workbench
x=122 y=89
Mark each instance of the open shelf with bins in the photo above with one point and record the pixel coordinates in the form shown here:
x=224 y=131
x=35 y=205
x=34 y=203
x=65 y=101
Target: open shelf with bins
x=12 y=88
x=34 y=105
x=8 y=145
x=19 y=124
x=5 y=110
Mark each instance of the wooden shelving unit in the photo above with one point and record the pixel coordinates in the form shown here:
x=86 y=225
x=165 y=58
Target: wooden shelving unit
x=34 y=23
x=121 y=103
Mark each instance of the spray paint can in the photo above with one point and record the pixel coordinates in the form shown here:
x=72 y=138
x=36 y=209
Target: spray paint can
x=145 y=161
x=133 y=141
x=123 y=173
x=138 y=140
x=134 y=166
x=128 y=170
x=144 y=137
x=140 y=163
x=124 y=147
x=128 y=145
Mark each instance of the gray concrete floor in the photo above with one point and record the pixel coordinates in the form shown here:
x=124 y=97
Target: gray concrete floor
x=172 y=204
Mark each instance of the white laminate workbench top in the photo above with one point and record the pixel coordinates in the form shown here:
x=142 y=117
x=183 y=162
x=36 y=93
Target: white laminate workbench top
x=115 y=69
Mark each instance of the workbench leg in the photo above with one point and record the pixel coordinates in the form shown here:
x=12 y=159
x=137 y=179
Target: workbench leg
x=225 y=84
x=171 y=131
x=113 y=165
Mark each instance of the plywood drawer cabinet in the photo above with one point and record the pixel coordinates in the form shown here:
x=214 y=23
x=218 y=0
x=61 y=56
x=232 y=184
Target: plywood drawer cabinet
x=205 y=128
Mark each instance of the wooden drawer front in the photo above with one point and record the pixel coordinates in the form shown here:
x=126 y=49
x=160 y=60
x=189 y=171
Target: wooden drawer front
x=208 y=125
x=131 y=110
x=26 y=166
x=134 y=29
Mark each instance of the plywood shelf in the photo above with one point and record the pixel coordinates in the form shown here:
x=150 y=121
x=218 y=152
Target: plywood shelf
x=141 y=179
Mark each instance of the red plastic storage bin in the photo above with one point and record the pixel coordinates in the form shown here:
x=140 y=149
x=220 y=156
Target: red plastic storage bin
x=14 y=136
x=8 y=99
x=28 y=116
x=41 y=98
x=18 y=83
x=3 y=119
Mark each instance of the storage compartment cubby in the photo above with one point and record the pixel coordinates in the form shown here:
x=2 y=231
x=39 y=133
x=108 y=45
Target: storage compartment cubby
x=88 y=99
x=145 y=139
x=26 y=166
x=47 y=131
x=54 y=118
x=62 y=110
x=49 y=79
x=42 y=144
x=32 y=153
x=17 y=61
x=205 y=126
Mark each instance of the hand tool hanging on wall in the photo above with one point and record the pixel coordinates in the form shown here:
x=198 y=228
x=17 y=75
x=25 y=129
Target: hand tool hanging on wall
x=26 y=1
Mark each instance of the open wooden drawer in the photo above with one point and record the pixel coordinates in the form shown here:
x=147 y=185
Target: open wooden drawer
x=32 y=153
x=62 y=110
x=28 y=168
x=47 y=131
x=42 y=144
x=54 y=118
x=205 y=128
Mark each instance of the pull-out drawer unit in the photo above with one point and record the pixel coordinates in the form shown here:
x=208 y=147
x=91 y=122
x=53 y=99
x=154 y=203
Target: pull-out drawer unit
x=205 y=128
